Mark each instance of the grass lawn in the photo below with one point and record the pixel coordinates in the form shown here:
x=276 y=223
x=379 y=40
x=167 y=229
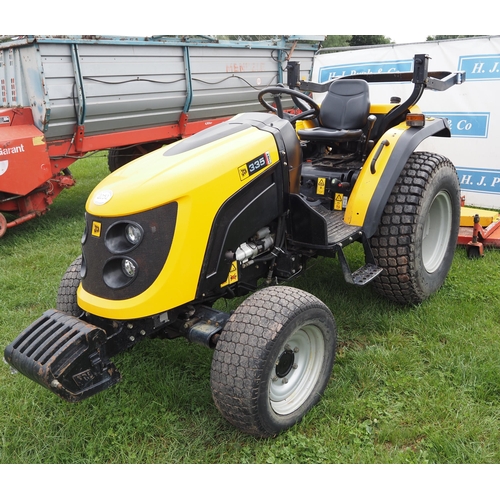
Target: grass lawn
x=410 y=385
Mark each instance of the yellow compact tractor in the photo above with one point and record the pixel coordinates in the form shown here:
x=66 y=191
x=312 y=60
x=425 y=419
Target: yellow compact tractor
x=239 y=209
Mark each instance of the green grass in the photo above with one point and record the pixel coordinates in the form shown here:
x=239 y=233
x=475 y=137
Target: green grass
x=410 y=385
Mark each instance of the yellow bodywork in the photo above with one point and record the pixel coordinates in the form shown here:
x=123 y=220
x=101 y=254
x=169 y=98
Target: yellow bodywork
x=486 y=217
x=367 y=182
x=199 y=188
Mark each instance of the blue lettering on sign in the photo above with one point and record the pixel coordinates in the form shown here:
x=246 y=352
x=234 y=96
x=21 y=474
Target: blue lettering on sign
x=328 y=73
x=485 y=67
x=466 y=124
x=481 y=180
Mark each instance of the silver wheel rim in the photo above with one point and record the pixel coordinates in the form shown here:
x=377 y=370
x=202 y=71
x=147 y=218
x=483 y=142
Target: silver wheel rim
x=436 y=235
x=297 y=369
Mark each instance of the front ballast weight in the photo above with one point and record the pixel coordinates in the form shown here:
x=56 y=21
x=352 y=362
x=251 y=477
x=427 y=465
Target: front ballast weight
x=65 y=355
x=72 y=358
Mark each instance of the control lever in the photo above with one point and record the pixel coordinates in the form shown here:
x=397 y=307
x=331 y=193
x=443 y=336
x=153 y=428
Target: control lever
x=369 y=144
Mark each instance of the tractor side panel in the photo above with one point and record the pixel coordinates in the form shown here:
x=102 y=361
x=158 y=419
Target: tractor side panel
x=252 y=208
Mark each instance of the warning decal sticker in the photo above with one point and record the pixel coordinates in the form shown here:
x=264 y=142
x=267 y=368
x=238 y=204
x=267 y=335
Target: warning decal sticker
x=320 y=189
x=339 y=198
x=232 y=276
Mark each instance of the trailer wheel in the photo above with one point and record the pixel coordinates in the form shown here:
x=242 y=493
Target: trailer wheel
x=416 y=239
x=118 y=157
x=3 y=225
x=273 y=360
x=66 y=294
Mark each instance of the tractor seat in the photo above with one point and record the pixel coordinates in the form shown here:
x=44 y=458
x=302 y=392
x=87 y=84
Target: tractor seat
x=343 y=113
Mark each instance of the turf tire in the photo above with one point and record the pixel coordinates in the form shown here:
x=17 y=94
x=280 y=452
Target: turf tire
x=417 y=236
x=66 y=294
x=273 y=360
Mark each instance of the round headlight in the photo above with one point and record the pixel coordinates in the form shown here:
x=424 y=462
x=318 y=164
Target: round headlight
x=133 y=234
x=123 y=236
x=119 y=272
x=129 y=268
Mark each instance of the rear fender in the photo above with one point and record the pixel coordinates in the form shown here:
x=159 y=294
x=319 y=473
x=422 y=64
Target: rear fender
x=382 y=169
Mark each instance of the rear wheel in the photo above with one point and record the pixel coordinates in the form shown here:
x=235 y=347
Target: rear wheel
x=416 y=239
x=66 y=295
x=273 y=360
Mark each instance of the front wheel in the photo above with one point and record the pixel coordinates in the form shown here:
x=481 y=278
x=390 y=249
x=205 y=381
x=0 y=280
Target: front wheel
x=66 y=294
x=416 y=239
x=273 y=360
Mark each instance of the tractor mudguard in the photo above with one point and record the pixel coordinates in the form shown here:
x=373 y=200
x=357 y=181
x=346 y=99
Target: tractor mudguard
x=382 y=169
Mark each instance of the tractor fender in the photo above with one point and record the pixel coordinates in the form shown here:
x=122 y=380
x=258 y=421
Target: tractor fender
x=383 y=168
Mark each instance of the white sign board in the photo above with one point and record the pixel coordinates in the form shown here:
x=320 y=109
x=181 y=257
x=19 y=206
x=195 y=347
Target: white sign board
x=472 y=108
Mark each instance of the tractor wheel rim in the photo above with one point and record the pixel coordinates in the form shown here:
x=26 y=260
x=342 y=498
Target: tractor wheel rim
x=297 y=369
x=436 y=235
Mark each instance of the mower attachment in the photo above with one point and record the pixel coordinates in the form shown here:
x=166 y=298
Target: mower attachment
x=65 y=355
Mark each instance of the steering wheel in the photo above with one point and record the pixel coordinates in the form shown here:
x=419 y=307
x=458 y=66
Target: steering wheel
x=310 y=111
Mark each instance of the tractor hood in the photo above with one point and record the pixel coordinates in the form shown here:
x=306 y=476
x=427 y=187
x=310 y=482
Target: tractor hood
x=185 y=169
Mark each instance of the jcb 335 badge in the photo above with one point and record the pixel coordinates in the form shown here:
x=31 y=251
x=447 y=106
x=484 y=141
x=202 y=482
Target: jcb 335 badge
x=252 y=167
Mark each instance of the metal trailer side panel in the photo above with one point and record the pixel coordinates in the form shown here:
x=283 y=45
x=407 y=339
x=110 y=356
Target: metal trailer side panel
x=226 y=81
x=125 y=88
x=22 y=82
x=59 y=76
x=116 y=87
x=131 y=87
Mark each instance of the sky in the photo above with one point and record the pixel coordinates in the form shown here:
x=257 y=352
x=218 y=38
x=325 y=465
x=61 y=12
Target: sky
x=230 y=17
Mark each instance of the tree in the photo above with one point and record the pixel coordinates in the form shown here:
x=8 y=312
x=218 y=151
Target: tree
x=247 y=38
x=336 y=41
x=432 y=38
x=330 y=40
x=359 y=40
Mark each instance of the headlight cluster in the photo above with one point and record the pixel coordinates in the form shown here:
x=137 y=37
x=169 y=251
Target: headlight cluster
x=122 y=256
x=121 y=238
